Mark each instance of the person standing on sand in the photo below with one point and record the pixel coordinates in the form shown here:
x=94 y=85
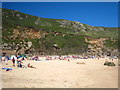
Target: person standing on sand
x=6 y=60
x=3 y=59
x=112 y=59
x=68 y=60
x=13 y=60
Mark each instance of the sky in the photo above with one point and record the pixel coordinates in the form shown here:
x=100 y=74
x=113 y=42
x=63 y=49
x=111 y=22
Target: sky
x=103 y=14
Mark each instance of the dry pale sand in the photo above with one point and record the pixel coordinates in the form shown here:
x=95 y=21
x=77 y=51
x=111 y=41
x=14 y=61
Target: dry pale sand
x=62 y=74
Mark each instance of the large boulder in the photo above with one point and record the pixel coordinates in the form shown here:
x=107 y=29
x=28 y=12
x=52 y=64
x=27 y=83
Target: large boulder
x=107 y=63
x=111 y=64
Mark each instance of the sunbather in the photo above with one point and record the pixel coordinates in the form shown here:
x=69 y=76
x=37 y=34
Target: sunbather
x=30 y=66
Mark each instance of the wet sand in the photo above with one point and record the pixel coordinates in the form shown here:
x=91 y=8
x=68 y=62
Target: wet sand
x=62 y=74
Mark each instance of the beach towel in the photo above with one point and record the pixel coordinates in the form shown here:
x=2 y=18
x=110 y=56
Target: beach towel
x=7 y=68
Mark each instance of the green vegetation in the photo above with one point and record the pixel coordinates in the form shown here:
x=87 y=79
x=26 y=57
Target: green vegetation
x=69 y=40
x=111 y=44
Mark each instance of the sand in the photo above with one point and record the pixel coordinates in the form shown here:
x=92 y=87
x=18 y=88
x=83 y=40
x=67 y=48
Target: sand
x=62 y=74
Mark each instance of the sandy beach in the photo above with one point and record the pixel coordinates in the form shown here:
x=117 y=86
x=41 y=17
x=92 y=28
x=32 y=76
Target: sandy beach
x=62 y=74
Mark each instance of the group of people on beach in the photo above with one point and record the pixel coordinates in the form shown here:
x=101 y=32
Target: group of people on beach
x=16 y=61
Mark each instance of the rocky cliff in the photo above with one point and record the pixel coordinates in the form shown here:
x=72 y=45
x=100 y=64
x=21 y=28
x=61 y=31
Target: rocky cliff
x=54 y=36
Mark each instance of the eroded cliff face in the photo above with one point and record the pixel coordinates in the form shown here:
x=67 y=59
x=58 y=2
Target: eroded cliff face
x=98 y=47
x=28 y=33
x=71 y=37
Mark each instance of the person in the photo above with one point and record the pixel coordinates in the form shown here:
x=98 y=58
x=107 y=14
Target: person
x=0 y=59
x=13 y=60
x=68 y=60
x=36 y=58
x=6 y=60
x=112 y=59
x=3 y=58
x=23 y=59
x=19 y=62
x=30 y=66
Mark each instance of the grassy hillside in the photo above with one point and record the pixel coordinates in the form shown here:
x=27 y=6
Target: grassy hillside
x=69 y=36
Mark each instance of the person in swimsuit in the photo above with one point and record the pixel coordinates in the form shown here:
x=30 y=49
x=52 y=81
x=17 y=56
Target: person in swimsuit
x=30 y=66
x=13 y=60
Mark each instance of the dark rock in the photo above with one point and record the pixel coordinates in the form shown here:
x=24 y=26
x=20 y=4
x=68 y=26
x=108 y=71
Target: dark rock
x=107 y=63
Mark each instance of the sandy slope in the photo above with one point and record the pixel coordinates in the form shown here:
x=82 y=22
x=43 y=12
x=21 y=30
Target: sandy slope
x=62 y=74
